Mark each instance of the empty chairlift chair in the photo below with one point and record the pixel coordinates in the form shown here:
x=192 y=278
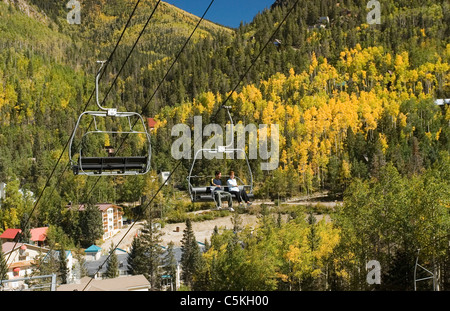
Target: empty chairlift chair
x=91 y=153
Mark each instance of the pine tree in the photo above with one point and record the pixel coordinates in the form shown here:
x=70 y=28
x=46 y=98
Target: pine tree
x=207 y=245
x=236 y=220
x=91 y=225
x=151 y=239
x=190 y=254
x=63 y=269
x=25 y=235
x=313 y=239
x=44 y=264
x=136 y=258
x=80 y=263
x=170 y=264
x=112 y=266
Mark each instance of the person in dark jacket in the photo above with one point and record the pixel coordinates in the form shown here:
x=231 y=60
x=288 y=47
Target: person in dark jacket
x=219 y=193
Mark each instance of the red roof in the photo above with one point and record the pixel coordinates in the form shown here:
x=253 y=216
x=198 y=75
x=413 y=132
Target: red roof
x=38 y=234
x=151 y=122
x=10 y=233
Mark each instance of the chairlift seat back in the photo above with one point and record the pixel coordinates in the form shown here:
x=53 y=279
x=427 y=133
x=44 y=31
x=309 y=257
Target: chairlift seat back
x=111 y=165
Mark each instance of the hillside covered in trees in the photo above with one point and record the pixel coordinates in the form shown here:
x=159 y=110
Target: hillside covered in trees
x=354 y=102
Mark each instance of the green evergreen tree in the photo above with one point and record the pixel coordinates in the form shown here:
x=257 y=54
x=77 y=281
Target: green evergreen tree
x=44 y=264
x=136 y=257
x=207 y=245
x=170 y=265
x=3 y=267
x=112 y=265
x=190 y=254
x=151 y=240
x=80 y=263
x=25 y=235
x=63 y=269
x=236 y=220
x=313 y=239
x=91 y=225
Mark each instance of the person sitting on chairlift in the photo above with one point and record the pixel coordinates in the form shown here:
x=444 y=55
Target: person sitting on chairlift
x=219 y=193
x=241 y=195
x=110 y=151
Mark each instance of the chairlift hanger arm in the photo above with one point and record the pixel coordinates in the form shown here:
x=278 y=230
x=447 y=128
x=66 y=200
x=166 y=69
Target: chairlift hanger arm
x=109 y=111
x=231 y=144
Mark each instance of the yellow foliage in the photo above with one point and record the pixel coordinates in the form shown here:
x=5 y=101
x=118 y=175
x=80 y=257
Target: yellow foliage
x=314 y=108
x=346 y=169
x=291 y=72
x=422 y=31
x=383 y=141
x=64 y=103
x=438 y=133
x=314 y=63
x=106 y=139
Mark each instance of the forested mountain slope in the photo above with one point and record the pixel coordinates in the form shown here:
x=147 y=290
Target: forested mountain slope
x=355 y=104
x=347 y=95
x=47 y=71
x=48 y=68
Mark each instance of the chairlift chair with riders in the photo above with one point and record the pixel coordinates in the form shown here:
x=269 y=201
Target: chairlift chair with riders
x=94 y=155
x=204 y=193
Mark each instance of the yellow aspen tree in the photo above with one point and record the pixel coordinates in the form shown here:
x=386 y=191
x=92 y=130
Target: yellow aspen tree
x=313 y=66
x=268 y=113
x=329 y=237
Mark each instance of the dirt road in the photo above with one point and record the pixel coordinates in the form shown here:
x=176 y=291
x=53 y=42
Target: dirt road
x=202 y=229
x=174 y=232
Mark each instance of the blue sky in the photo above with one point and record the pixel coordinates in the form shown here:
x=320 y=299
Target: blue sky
x=225 y=12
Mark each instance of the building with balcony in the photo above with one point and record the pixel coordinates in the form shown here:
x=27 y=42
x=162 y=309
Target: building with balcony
x=111 y=217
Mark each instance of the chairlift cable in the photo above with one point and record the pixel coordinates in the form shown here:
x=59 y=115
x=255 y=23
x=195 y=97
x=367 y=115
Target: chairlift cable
x=67 y=143
x=214 y=116
x=168 y=71
x=173 y=63
x=143 y=163
x=93 y=91
x=131 y=51
x=123 y=64
x=102 y=73
x=159 y=85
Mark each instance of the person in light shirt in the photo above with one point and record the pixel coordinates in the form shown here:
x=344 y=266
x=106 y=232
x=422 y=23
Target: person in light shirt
x=233 y=188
